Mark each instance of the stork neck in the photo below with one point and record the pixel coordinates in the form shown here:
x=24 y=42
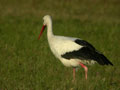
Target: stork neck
x=49 y=30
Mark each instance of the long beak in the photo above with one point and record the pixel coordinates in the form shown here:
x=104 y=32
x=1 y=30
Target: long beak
x=43 y=27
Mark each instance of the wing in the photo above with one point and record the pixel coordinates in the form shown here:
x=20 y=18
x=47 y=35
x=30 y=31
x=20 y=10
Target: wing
x=87 y=52
x=84 y=43
x=61 y=45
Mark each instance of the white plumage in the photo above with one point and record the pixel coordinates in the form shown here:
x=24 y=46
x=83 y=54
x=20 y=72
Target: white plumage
x=72 y=52
x=60 y=45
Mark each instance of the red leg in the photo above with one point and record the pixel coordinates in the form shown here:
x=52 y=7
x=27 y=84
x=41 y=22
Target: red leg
x=73 y=74
x=85 y=68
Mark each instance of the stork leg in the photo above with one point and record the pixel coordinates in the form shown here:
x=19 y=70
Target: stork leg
x=73 y=74
x=85 y=68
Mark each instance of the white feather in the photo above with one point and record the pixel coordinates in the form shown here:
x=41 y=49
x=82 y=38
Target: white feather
x=60 y=45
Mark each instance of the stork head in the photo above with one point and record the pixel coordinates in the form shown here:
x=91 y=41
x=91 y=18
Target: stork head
x=46 y=21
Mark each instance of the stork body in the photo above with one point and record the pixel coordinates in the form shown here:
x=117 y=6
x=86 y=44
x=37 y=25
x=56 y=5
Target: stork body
x=72 y=52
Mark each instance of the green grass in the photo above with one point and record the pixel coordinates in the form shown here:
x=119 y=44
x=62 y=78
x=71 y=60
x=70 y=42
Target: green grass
x=27 y=63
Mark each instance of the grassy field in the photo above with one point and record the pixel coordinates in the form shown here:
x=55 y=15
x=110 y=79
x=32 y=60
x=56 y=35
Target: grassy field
x=27 y=63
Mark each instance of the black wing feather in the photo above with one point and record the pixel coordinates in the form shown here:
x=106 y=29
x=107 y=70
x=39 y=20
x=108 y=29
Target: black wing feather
x=88 y=52
x=84 y=43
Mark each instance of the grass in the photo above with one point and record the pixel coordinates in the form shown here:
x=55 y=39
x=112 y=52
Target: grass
x=28 y=64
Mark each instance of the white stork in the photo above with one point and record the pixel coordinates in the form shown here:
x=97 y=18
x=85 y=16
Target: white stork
x=72 y=52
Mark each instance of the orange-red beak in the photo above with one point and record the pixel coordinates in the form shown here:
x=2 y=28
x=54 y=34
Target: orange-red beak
x=43 y=27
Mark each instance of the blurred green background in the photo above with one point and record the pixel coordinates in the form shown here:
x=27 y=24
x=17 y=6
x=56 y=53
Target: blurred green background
x=27 y=63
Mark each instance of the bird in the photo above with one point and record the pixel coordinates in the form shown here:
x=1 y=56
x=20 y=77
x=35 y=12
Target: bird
x=71 y=51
